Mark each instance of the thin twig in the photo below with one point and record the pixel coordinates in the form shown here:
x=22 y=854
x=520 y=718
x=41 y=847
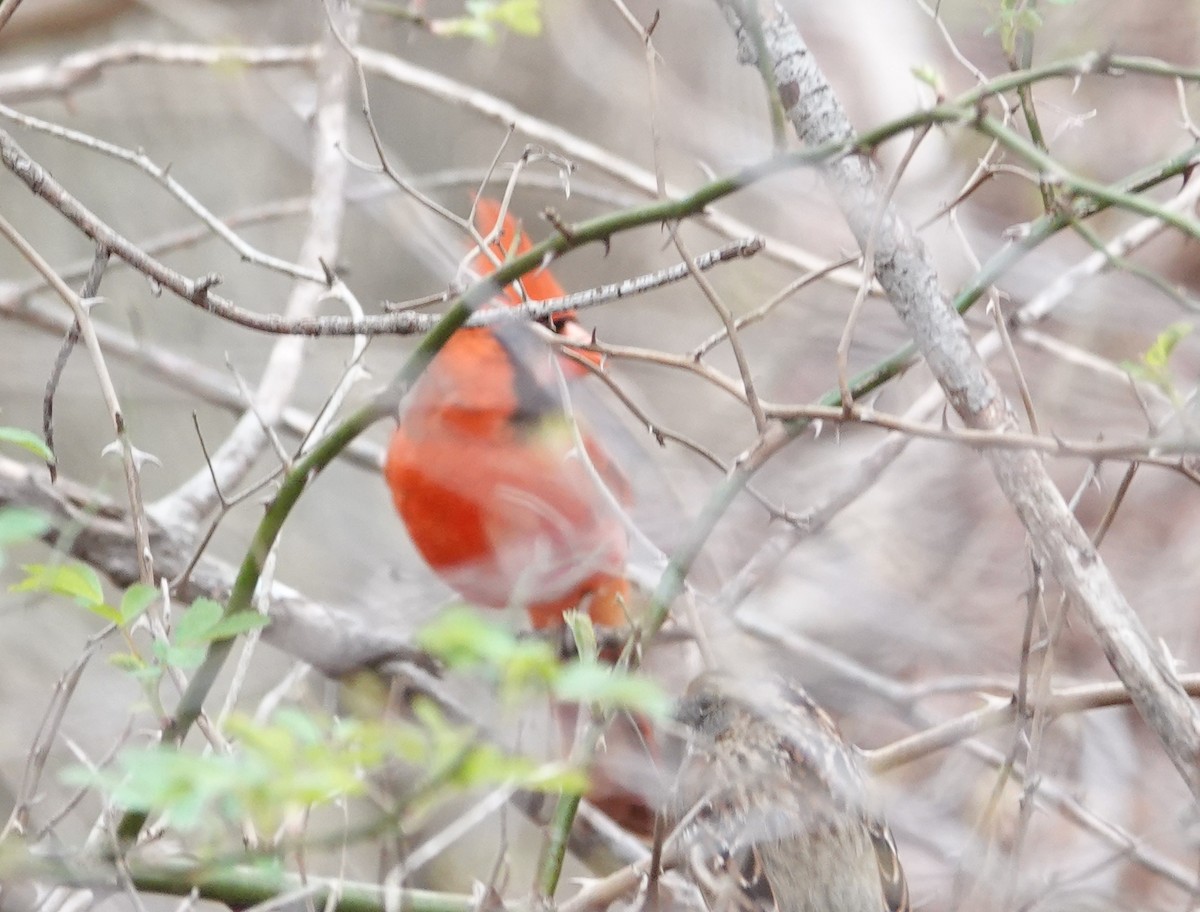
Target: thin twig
x=129 y=458
x=90 y=287
x=143 y=162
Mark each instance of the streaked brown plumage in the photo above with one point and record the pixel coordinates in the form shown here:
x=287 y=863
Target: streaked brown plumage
x=773 y=803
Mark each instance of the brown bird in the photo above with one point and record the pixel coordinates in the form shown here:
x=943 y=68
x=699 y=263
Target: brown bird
x=773 y=805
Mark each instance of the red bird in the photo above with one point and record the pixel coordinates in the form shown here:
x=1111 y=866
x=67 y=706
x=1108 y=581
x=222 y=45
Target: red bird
x=486 y=473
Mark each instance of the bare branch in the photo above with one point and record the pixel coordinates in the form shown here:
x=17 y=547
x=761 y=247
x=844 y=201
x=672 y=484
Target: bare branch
x=903 y=268
x=131 y=459
x=235 y=457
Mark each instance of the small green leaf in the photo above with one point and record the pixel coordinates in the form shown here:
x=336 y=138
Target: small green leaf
x=1154 y=365
x=302 y=726
x=74 y=580
x=147 y=673
x=462 y=637
x=524 y=17
x=127 y=661
x=556 y=778
x=532 y=664
x=611 y=688
x=26 y=440
x=108 y=612
x=929 y=75
x=466 y=27
x=583 y=633
x=521 y=16
x=135 y=601
x=194 y=624
x=273 y=742
x=1158 y=354
x=20 y=525
x=486 y=764
x=185 y=656
x=177 y=655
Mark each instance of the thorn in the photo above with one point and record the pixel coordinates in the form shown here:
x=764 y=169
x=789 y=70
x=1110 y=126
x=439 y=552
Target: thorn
x=554 y=219
x=140 y=457
x=330 y=275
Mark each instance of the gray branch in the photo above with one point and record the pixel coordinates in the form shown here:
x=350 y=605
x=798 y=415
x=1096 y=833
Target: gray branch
x=332 y=641
x=904 y=270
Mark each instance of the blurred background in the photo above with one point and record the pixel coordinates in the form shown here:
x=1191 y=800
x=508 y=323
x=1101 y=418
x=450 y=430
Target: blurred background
x=921 y=581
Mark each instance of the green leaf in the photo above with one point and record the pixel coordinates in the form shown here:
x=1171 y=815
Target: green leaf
x=1158 y=354
x=20 y=525
x=486 y=765
x=273 y=742
x=462 y=637
x=195 y=623
x=612 y=688
x=108 y=612
x=299 y=759
x=301 y=725
x=26 y=440
x=929 y=75
x=177 y=655
x=521 y=16
x=74 y=580
x=532 y=664
x=148 y=673
x=1154 y=365
x=466 y=27
x=583 y=633
x=135 y=601
x=127 y=661
x=524 y=17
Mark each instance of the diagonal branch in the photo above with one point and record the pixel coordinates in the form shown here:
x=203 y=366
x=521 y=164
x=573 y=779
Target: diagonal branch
x=904 y=270
x=197 y=497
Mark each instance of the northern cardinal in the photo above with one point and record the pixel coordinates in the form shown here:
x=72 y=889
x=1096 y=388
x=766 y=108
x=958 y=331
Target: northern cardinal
x=486 y=473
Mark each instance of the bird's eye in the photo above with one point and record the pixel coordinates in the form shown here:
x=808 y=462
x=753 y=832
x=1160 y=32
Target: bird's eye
x=694 y=710
x=711 y=715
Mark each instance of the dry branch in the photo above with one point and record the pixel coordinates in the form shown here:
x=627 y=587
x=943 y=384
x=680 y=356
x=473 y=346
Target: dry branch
x=904 y=270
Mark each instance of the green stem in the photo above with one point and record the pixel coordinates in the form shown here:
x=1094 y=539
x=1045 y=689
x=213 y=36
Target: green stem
x=550 y=869
x=265 y=536
x=1022 y=61
x=752 y=20
x=1099 y=193
x=875 y=376
x=244 y=887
